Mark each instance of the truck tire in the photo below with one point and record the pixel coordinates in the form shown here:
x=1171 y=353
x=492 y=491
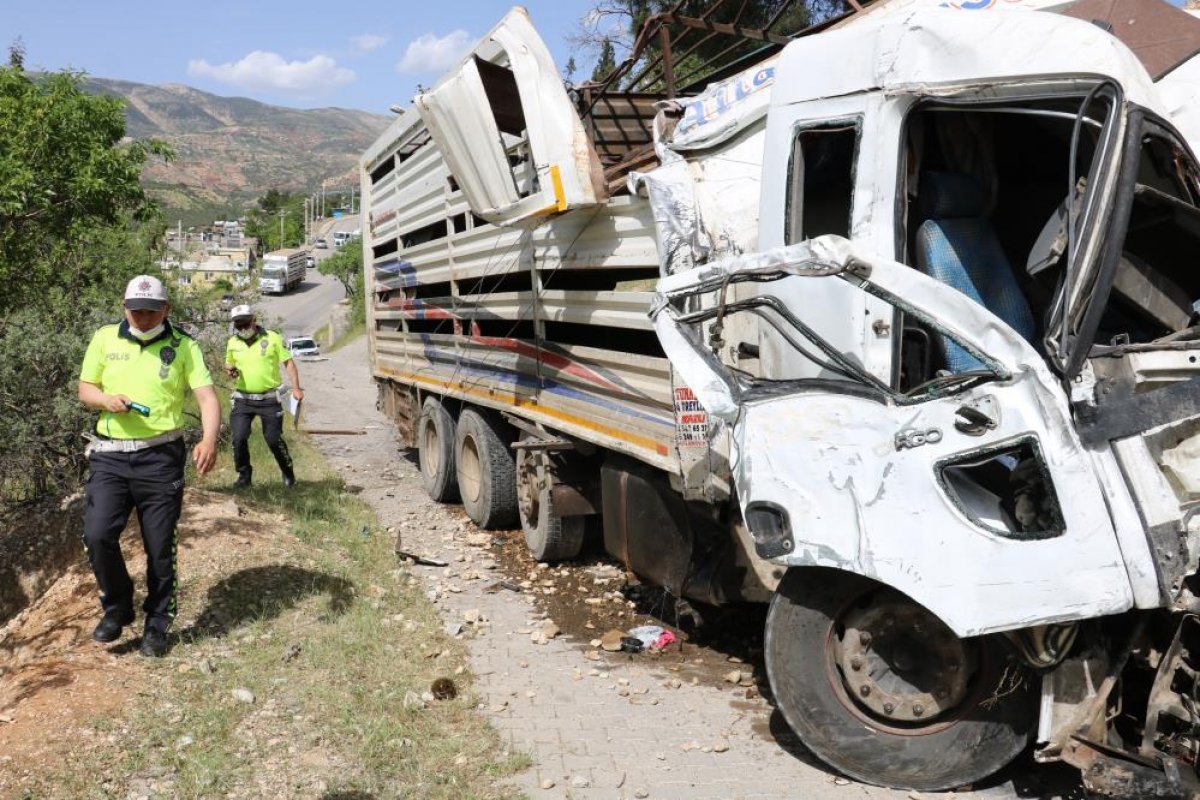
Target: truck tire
x=435 y=451
x=880 y=689
x=487 y=481
x=548 y=536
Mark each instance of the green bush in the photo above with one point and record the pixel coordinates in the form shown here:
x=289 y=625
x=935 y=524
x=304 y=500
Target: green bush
x=75 y=226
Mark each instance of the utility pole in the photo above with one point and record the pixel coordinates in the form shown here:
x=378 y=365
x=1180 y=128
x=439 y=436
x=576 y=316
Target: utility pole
x=351 y=198
x=322 y=199
x=306 y=221
x=282 y=212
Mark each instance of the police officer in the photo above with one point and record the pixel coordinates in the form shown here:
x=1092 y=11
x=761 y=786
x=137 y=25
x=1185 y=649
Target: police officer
x=136 y=374
x=253 y=356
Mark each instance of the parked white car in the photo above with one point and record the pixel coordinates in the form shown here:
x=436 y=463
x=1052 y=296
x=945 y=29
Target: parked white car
x=303 y=346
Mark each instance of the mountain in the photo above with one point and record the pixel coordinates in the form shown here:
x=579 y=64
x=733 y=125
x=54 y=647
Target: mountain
x=231 y=150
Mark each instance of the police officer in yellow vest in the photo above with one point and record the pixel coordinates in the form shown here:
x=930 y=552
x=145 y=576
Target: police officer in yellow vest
x=253 y=356
x=137 y=374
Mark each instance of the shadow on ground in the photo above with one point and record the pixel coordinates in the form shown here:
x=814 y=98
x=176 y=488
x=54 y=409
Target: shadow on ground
x=264 y=593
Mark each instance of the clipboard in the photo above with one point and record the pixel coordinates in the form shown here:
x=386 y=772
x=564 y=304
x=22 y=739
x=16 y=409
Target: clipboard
x=293 y=407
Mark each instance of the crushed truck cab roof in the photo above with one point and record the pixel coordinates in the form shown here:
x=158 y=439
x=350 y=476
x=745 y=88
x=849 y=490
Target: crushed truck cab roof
x=928 y=48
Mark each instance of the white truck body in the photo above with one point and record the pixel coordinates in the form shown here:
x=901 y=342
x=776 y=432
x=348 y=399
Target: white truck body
x=282 y=271
x=922 y=321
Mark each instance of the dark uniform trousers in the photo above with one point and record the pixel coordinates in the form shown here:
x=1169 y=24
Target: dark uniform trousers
x=150 y=481
x=241 y=416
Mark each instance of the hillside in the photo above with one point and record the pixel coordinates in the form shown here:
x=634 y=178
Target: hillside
x=230 y=150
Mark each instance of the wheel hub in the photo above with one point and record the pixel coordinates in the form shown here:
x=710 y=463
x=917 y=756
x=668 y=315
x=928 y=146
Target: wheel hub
x=431 y=451
x=901 y=663
x=470 y=469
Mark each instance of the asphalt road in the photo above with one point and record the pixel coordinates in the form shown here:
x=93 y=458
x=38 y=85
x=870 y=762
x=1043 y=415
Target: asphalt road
x=303 y=310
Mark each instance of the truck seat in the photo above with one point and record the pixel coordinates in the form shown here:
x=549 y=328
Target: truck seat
x=958 y=246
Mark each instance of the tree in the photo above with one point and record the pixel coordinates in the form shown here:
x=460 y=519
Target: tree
x=16 y=54
x=347 y=266
x=607 y=61
x=65 y=174
x=75 y=225
x=263 y=222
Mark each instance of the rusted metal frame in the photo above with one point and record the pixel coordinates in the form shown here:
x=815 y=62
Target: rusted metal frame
x=651 y=27
x=602 y=89
x=640 y=48
x=755 y=34
x=654 y=25
x=646 y=72
x=649 y=30
x=684 y=80
x=636 y=157
x=664 y=37
x=1091 y=720
x=587 y=117
x=677 y=58
x=1161 y=690
x=660 y=21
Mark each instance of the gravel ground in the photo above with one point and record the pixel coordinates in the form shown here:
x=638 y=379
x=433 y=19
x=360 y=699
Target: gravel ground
x=691 y=722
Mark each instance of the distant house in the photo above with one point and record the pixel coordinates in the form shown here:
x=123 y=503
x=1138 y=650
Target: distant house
x=231 y=264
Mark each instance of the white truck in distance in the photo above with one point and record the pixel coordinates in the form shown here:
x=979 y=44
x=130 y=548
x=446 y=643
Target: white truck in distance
x=893 y=330
x=282 y=271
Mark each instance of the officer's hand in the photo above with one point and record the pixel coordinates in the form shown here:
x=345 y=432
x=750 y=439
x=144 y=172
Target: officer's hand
x=116 y=403
x=205 y=456
x=298 y=393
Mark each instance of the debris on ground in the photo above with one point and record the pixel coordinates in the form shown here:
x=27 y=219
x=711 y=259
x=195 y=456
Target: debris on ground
x=443 y=689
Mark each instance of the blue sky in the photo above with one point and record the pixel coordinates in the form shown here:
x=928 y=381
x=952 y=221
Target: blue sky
x=364 y=54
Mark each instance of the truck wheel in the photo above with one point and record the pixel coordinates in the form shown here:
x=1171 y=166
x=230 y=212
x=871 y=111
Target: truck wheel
x=435 y=450
x=548 y=536
x=487 y=479
x=879 y=688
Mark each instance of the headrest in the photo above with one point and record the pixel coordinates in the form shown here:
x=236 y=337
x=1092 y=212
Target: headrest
x=946 y=195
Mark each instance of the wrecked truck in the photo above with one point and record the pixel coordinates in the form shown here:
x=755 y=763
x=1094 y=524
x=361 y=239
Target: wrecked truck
x=894 y=330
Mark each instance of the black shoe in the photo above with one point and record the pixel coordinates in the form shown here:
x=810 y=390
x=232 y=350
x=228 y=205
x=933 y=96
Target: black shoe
x=154 y=642
x=242 y=482
x=289 y=479
x=109 y=629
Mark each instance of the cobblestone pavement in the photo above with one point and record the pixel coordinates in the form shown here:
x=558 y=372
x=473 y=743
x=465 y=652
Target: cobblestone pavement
x=594 y=729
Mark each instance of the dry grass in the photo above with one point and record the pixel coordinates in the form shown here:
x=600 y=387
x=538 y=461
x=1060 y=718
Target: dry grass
x=336 y=643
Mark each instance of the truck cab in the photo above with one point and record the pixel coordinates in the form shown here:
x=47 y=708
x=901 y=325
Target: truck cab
x=973 y=306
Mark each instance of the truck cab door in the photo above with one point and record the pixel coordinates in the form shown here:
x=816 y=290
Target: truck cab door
x=509 y=133
x=970 y=493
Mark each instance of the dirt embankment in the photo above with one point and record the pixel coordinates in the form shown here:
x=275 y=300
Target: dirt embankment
x=37 y=545
x=55 y=682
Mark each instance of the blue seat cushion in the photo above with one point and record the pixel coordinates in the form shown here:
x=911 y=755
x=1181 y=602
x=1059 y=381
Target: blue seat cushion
x=963 y=252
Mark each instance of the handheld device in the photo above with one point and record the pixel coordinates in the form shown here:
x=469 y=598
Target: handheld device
x=138 y=408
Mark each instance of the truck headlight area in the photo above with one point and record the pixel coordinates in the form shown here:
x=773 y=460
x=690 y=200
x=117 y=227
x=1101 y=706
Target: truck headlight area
x=768 y=524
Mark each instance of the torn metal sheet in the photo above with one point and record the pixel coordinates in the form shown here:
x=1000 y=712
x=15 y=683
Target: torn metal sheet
x=506 y=101
x=858 y=478
x=721 y=110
